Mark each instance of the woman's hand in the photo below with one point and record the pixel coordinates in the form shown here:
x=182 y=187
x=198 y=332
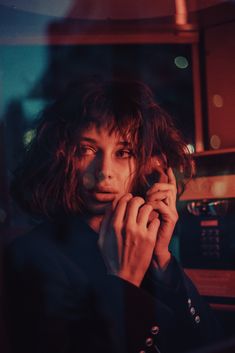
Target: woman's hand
x=162 y=197
x=127 y=238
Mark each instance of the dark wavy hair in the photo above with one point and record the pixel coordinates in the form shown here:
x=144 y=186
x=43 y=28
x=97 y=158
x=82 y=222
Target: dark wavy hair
x=47 y=184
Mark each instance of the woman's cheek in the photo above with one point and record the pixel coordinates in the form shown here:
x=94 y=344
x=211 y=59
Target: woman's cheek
x=88 y=180
x=86 y=177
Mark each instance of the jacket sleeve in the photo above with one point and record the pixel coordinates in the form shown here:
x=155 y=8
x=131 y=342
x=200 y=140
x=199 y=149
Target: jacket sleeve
x=177 y=291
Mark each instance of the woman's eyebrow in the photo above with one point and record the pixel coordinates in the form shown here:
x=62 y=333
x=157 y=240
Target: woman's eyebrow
x=124 y=143
x=94 y=141
x=88 y=139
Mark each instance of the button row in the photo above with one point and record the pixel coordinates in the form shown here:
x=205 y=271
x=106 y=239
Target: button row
x=213 y=232
x=214 y=254
x=210 y=239
x=210 y=246
x=192 y=310
x=149 y=341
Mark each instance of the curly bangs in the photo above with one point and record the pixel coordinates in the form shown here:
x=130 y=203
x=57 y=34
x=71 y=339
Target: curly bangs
x=46 y=182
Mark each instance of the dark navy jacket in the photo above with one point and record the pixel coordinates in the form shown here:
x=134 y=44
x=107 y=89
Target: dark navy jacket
x=60 y=299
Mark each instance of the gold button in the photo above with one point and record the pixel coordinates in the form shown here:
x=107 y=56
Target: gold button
x=197 y=319
x=192 y=310
x=155 y=330
x=149 y=342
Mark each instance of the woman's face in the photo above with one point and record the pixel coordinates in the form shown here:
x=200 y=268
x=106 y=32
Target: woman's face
x=106 y=168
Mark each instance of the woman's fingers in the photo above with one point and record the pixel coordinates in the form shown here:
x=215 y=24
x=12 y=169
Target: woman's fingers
x=168 y=189
x=160 y=187
x=154 y=225
x=167 y=213
x=163 y=191
x=158 y=195
x=143 y=214
x=166 y=196
x=128 y=238
x=120 y=209
x=114 y=214
x=133 y=210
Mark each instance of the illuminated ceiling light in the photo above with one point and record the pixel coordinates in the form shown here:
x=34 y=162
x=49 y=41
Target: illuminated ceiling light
x=215 y=142
x=28 y=136
x=181 y=13
x=218 y=101
x=181 y=62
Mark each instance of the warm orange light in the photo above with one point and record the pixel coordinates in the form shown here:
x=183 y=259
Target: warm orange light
x=215 y=142
x=218 y=101
x=219 y=188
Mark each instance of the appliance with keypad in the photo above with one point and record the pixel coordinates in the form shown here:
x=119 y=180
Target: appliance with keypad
x=206 y=226
x=207 y=233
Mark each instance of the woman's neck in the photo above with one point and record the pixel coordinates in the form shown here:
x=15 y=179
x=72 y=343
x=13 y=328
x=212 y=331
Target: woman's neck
x=94 y=222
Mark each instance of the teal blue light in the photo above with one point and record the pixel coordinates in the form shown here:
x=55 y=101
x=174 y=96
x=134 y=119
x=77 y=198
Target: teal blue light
x=21 y=67
x=181 y=62
x=32 y=107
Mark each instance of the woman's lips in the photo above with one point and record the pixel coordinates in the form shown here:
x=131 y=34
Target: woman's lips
x=103 y=196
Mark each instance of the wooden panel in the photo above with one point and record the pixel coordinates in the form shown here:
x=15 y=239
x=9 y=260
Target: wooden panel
x=213 y=283
x=220 y=79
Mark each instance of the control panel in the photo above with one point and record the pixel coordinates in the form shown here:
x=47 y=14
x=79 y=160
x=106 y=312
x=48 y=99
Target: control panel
x=210 y=239
x=206 y=227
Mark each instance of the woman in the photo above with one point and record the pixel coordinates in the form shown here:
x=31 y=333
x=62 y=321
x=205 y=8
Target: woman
x=97 y=274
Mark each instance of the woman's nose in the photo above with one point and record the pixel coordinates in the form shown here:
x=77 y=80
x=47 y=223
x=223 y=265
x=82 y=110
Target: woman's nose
x=104 y=167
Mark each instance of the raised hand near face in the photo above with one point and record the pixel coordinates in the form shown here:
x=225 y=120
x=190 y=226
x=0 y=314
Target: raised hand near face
x=127 y=238
x=162 y=197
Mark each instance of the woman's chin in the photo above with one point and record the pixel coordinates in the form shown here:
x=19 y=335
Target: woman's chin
x=98 y=208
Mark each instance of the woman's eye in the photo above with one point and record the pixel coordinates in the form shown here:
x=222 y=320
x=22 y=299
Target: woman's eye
x=86 y=151
x=124 y=153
